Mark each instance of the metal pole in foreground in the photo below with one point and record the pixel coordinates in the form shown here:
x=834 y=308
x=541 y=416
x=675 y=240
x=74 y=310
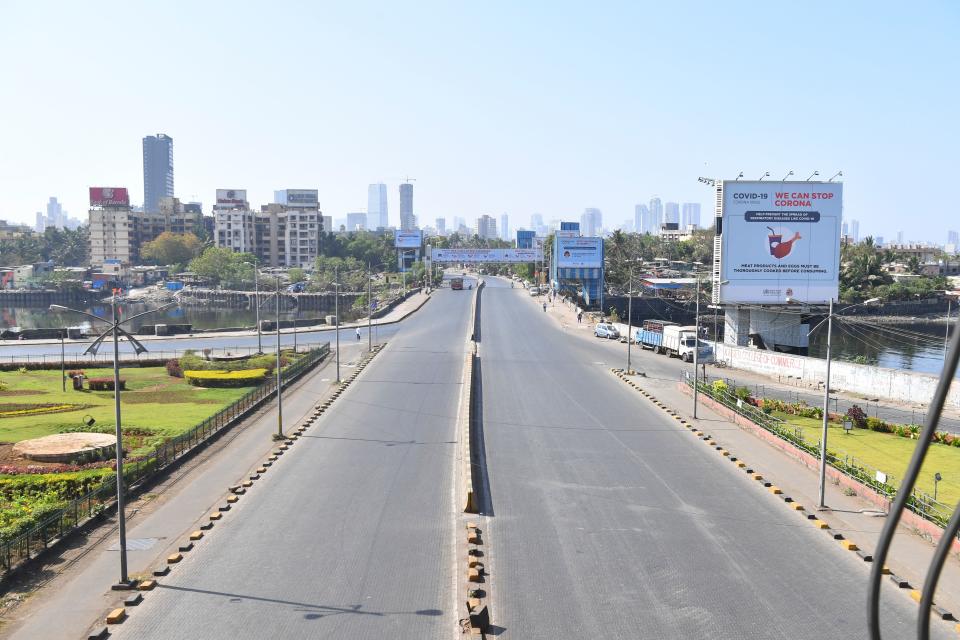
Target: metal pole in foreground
x=279 y=393
x=826 y=415
x=121 y=513
x=946 y=331
x=696 y=352
x=336 y=313
x=630 y=321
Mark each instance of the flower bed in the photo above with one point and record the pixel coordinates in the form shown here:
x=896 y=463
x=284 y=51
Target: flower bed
x=243 y=378
x=20 y=410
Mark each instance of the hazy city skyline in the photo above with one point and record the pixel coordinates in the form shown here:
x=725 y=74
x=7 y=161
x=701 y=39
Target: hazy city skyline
x=583 y=134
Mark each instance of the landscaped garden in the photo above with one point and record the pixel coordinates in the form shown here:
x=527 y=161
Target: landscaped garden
x=157 y=404
x=871 y=443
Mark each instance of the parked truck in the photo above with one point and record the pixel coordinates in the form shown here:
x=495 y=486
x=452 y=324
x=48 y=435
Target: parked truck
x=673 y=340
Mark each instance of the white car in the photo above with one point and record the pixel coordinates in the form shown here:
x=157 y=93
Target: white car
x=534 y=290
x=606 y=330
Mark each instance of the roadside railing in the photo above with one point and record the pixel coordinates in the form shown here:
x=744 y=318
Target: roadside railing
x=79 y=511
x=884 y=484
x=78 y=357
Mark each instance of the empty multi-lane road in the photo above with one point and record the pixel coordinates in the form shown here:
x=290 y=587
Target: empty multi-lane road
x=606 y=519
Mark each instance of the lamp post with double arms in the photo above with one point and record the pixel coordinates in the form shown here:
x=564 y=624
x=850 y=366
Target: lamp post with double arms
x=256 y=297
x=116 y=331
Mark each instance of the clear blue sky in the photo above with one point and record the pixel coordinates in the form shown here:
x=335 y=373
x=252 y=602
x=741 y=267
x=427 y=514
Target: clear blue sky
x=494 y=107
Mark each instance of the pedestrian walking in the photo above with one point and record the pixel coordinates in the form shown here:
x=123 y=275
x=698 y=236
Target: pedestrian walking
x=579 y=316
x=358 y=334
x=544 y=307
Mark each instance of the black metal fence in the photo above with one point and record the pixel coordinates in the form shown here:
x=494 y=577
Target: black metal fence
x=50 y=530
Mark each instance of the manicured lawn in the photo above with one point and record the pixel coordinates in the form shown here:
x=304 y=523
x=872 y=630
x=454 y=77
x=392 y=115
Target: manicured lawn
x=153 y=400
x=888 y=453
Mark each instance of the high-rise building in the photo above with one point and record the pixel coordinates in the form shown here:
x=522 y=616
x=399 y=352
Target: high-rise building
x=486 y=227
x=441 y=226
x=41 y=224
x=525 y=238
x=855 y=230
x=157 y=171
x=690 y=215
x=408 y=221
x=899 y=237
x=377 y=206
x=953 y=238
x=55 y=214
x=656 y=215
x=591 y=222
x=671 y=213
x=844 y=229
x=505 y=227
x=281 y=234
x=357 y=221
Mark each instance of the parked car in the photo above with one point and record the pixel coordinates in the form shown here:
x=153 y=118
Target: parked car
x=606 y=330
x=534 y=290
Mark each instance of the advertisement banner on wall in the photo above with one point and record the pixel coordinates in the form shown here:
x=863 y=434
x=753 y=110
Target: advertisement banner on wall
x=408 y=239
x=781 y=242
x=474 y=256
x=109 y=197
x=302 y=197
x=231 y=196
x=579 y=253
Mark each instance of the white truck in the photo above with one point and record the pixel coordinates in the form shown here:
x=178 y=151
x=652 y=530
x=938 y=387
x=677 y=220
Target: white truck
x=681 y=341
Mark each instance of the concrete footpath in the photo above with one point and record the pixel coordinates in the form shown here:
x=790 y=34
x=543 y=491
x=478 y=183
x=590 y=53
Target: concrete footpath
x=72 y=589
x=854 y=517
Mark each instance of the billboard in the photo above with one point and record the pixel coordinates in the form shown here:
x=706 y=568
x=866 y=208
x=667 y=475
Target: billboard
x=780 y=240
x=408 y=239
x=487 y=255
x=109 y=197
x=579 y=253
x=302 y=197
x=232 y=196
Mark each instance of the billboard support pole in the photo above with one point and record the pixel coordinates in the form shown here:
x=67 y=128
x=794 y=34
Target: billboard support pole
x=826 y=415
x=696 y=351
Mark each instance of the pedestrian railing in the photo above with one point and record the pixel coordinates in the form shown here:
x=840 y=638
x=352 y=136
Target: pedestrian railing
x=19 y=549
x=106 y=358
x=884 y=484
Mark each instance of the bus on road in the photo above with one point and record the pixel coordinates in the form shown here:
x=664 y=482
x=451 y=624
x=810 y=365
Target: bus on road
x=456 y=283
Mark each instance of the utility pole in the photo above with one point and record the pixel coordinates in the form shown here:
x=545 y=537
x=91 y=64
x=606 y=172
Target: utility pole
x=696 y=351
x=336 y=312
x=121 y=513
x=369 y=310
x=946 y=331
x=630 y=321
x=279 y=379
x=826 y=415
x=63 y=362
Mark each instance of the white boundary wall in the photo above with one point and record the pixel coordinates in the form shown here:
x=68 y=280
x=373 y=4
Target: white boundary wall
x=892 y=384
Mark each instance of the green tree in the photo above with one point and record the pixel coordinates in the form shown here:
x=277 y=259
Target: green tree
x=225 y=267
x=171 y=248
x=296 y=274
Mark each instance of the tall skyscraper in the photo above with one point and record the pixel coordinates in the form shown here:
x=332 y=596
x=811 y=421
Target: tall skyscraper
x=953 y=238
x=505 y=227
x=157 y=171
x=855 y=230
x=55 y=216
x=671 y=212
x=638 y=217
x=691 y=214
x=656 y=214
x=408 y=221
x=377 y=206
x=591 y=222
x=899 y=237
x=441 y=226
x=844 y=229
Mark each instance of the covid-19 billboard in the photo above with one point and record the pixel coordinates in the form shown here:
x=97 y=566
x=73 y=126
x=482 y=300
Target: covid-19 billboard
x=579 y=253
x=408 y=239
x=780 y=242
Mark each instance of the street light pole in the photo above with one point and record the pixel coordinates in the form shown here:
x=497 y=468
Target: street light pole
x=630 y=321
x=946 y=331
x=369 y=310
x=279 y=379
x=696 y=351
x=63 y=362
x=121 y=515
x=826 y=415
x=336 y=312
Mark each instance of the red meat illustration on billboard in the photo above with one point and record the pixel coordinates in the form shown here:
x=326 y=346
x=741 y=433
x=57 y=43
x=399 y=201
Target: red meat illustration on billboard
x=780 y=248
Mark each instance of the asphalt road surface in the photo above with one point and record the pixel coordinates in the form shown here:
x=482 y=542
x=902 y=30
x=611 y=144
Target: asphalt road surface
x=609 y=521
x=350 y=535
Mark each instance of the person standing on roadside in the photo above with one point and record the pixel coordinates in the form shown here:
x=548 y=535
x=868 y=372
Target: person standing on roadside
x=579 y=316
x=544 y=306
x=358 y=334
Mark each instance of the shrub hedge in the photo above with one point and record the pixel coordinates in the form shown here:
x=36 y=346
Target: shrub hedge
x=104 y=384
